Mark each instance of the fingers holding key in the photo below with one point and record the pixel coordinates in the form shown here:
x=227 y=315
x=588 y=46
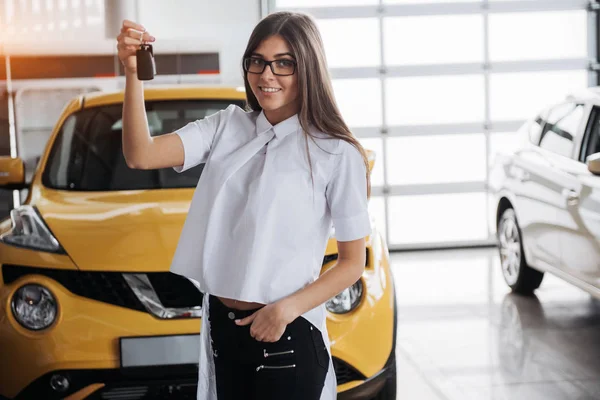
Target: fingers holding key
x=127 y=24
x=135 y=31
x=130 y=38
x=139 y=36
x=135 y=40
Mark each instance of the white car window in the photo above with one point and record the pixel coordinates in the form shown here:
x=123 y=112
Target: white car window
x=591 y=142
x=561 y=127
x=535 y=128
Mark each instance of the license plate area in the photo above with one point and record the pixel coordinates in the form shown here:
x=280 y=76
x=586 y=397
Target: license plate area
x=159 y=350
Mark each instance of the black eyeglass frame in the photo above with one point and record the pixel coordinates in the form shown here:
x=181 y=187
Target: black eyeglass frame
x=270 y=64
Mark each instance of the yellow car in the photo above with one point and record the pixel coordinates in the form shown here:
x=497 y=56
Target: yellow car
x=88 y=307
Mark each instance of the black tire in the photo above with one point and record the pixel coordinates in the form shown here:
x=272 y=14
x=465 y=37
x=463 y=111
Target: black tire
x=388 y=392
x=519 y=276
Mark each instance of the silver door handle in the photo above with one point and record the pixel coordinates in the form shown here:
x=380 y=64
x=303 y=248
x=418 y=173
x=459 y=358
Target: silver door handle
x=571 y=196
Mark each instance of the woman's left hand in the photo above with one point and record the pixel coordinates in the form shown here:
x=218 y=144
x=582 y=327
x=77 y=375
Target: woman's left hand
x=269 y=323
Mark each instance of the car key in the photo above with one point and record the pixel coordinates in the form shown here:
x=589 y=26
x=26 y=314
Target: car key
x=146 y=68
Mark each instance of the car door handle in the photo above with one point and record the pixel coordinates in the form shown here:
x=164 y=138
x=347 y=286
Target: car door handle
x=571 y=196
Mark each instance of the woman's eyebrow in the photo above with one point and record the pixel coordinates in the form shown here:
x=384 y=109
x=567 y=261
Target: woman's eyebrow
x=276 y=55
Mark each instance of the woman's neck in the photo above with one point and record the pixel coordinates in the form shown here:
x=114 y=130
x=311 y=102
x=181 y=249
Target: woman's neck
x=281 y=114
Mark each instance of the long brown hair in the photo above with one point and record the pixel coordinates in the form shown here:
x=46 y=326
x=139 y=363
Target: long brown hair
x=318 y=108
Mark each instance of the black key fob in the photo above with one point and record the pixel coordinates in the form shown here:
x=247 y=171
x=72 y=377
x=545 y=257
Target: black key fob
x=146 y=68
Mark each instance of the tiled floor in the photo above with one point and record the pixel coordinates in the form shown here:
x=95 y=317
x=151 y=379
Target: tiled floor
x=463 y=336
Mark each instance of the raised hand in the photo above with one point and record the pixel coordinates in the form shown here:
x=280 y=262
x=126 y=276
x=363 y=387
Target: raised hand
x=129 y=40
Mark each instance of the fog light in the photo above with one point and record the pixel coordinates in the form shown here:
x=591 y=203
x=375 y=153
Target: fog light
x=59 y=383
x=34 y=307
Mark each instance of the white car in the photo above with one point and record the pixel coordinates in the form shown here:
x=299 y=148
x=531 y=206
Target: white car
x=545 y=197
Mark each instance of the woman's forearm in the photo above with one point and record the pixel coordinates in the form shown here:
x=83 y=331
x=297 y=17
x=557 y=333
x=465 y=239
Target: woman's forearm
x=136 y=135
x=341 y=276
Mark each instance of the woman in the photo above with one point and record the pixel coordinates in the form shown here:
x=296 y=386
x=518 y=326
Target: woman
x=276 y=178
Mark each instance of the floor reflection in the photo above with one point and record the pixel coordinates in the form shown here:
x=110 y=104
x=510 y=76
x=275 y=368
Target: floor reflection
x=463 y=335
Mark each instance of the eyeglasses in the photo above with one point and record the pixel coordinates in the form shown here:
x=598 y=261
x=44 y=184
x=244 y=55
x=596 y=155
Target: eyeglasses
x=281 y=67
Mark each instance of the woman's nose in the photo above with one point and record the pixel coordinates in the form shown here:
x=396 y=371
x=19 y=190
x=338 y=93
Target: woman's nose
x=268 y=72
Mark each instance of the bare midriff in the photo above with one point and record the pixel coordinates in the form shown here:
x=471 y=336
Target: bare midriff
x=239 y=305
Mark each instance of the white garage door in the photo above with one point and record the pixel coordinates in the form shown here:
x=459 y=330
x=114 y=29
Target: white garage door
x=442 y=86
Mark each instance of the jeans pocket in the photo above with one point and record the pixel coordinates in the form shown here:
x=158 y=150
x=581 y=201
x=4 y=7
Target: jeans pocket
x=321 y=353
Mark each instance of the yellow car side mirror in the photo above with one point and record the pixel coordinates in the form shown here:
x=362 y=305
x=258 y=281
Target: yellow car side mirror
x=371 y=158
x=12 y=173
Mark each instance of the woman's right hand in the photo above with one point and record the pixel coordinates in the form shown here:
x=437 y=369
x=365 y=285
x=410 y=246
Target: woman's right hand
x=129 y=40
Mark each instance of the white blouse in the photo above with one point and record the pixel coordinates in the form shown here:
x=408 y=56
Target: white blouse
x=257 y=228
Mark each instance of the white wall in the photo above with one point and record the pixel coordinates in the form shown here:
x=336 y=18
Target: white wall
x=78 y=27
x=223 y=25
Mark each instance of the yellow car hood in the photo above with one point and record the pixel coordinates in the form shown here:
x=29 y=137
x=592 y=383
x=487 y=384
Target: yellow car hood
x=117 y=231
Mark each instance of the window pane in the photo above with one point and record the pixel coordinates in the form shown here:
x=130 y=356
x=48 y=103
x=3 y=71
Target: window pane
x=323 y=3
x=592 y=140
x=534 y=130
x=539 y=35
x=557 y=144
x=359 y=101
x=377 y=211
x=438 y=218
x=434 y=100
x=351 y=42
x=377 y=146
x=566 y=119
x=436 y=159
x=520 y=95
x=563 y=123
x=433 y=39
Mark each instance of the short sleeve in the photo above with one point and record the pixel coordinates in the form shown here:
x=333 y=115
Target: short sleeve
x=197 y=138
x=347 y=195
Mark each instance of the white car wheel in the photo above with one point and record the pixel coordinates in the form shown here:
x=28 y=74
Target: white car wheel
x=518 y=275
x=510 y=250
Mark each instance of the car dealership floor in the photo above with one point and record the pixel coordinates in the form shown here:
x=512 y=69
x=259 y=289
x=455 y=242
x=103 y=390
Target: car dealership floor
x=462 y=335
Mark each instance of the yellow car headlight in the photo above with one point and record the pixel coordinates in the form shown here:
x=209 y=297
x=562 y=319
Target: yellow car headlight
x=29 y=231
x=34 y=307
x=144 y=290
x=347 y=300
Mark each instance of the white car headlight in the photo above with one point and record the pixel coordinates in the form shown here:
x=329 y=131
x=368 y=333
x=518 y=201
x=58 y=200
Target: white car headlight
x=34 y=307
x=347 y=300
x=28 y=230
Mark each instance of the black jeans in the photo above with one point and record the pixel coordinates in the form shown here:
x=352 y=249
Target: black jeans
x=292 y=368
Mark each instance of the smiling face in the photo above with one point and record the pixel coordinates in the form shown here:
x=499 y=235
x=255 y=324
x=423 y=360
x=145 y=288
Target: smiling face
x=277 y=95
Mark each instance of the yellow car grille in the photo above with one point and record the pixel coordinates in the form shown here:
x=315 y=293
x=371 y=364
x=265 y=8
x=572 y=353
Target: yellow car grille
x=345 y=373
x=174 y=291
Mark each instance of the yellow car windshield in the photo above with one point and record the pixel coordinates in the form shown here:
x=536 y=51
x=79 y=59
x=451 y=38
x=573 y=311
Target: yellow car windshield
x=87 y=154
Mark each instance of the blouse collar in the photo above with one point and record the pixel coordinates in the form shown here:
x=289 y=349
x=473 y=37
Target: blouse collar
x=281 y=129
